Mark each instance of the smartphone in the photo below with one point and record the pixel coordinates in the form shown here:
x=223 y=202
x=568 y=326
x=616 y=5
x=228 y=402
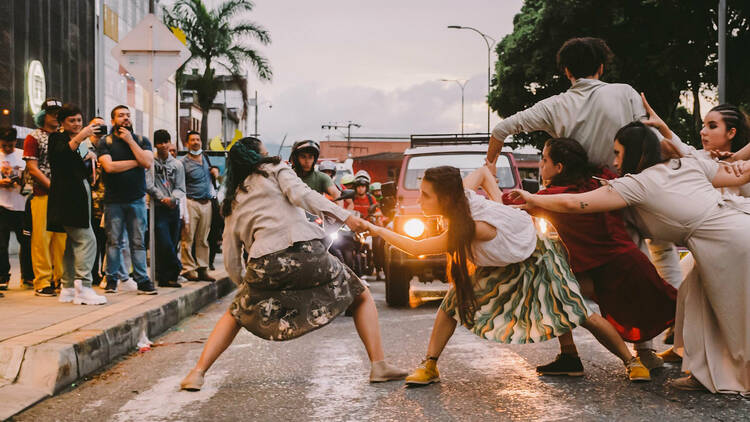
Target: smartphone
x=100 y=130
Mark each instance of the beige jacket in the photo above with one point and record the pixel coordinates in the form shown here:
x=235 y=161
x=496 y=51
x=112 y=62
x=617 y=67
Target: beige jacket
x=269 y=217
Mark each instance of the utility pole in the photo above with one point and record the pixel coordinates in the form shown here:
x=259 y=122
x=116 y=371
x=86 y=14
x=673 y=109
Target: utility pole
x=255 y=128
x=722 y=82
x=461 y=84
x=348 y=127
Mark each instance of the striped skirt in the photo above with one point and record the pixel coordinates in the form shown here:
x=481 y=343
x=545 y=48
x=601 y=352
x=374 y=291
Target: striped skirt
x=527 y=302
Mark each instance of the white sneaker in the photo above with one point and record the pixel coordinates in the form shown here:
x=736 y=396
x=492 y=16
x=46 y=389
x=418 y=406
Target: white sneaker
x=67 y=294
x=87 y=296
x=127 y=285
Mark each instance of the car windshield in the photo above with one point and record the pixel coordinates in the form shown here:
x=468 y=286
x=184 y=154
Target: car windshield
x=467 y=163
x=339 y=175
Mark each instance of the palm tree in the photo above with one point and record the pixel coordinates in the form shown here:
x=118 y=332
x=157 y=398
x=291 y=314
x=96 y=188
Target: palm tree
x=215 y=38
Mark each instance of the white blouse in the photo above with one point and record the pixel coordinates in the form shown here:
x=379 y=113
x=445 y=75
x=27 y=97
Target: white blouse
x=516 y=234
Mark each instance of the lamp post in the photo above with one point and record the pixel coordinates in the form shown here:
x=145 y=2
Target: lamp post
x=461 y=83
x=722 y=76
x=487 y=40
x=258 y=104
x=348 y=127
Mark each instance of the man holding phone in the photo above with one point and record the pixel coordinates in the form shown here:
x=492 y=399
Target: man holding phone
x=125 y=157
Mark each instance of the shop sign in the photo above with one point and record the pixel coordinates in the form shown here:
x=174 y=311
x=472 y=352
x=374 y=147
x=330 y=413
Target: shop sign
x=36 y=86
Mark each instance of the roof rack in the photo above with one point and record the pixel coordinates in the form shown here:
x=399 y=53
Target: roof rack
x=452 y=139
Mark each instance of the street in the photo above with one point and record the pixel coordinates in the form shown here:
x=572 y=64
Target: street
x=323 y=376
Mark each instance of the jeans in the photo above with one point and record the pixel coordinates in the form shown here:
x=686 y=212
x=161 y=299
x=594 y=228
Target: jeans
x=167 y=234
x=12 y=221
x=127 y=217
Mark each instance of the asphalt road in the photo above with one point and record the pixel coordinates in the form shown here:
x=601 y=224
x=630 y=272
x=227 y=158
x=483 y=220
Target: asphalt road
x=323 y=376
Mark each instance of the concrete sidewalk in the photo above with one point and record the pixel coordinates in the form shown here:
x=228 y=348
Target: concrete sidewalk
x=46 y=345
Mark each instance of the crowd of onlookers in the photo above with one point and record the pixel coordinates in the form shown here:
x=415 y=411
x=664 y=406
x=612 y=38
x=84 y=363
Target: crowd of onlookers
x=76 y=197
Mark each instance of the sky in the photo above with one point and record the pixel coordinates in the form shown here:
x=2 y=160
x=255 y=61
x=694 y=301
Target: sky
x=378 y=64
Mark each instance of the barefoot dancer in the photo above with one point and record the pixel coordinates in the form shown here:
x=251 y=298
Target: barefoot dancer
x=291 y=284
x=522 y=290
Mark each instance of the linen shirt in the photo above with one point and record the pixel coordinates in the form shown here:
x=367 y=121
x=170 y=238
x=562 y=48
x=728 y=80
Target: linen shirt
x=268 y=216
x=591 y=112
x=197 y=178
x=166 y=179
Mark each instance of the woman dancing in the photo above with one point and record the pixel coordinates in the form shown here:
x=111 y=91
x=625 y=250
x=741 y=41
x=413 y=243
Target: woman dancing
x=291 y=284
x=674 y=199
x=521 y=291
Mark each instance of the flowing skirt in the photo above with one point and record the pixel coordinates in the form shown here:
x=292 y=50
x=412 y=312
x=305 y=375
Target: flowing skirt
x=527 y=302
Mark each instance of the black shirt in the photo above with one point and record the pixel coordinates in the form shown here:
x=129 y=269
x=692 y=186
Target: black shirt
x=128 y=185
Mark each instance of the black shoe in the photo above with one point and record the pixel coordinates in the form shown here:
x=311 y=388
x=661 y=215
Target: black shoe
x=4 y=284
x=111 y=286
x=203 y=275
x=564 y=364
x=669 y=336
x=169 y=284
x=146 y=288
x=28 y=283
x=48 y=291
x=211 y=267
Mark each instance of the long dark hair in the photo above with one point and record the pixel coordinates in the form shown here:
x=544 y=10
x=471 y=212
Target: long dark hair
x=449 y=188
x=244 y=159
x=568 y=152
x=642 y=148
x=734 y=119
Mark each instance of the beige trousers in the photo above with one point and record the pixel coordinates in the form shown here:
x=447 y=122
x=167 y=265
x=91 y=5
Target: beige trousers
x=197 y=232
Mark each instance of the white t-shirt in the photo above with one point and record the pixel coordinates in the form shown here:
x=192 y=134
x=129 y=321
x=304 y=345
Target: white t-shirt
x=516 y=235
x=12 y=164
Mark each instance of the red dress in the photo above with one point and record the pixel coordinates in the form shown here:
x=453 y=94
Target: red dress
x=630 y=293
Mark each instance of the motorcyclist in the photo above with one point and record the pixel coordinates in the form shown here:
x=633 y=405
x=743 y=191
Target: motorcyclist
x=303 y=157
x=376 y=190
x=363 y=200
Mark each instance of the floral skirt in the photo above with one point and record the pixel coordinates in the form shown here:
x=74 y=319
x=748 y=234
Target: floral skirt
x=530 y=301
x=289 y=293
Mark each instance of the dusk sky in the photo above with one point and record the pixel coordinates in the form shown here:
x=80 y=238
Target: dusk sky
x=376 y=63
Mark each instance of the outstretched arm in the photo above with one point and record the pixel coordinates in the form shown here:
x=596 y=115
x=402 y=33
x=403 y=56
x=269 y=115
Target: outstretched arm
x=600 y=200
x=737 y=174
x=430 y=246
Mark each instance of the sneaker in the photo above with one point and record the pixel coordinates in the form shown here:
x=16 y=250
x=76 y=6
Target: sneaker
x=181 y=279
x=146 y=288
x=637 y=372
x=169 y=284
x=211 y=267
x=382 y=371
x=4 y=284
x=127 y=285
x=111 y=286
x=649 y=358
x=48 y=291
x=670 y=356
x=87 y=296
x=688 y=383
x=191 y=276
x=564 y=364
x=67 y=294
x=57 y=284
x=203 y=275
x=426 y=373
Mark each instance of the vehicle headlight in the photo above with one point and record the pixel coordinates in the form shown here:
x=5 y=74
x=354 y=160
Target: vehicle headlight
x=334 y=236
x=543 y=226
x=414 y=227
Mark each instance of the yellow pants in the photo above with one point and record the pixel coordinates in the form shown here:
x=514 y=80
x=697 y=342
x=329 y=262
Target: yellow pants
x=47 y=248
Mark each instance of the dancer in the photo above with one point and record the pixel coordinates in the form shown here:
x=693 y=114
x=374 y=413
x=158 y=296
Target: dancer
x=610 y=268
x=291 y=284
x=674 y=199
x=522 y=290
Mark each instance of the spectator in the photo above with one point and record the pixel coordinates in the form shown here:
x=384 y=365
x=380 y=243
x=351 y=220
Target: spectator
x=217 y=222
x=12 y=205
x=47 y=247
x=166 y=186
x=199 y=194
x=173 y=150
x=97 y=208
x=124 y=157
x=69 y=205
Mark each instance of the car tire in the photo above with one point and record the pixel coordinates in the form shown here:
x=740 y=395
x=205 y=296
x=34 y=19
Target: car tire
x=396 y=285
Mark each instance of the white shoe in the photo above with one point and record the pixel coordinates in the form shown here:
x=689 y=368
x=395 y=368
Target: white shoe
x=67 y=294
x=87 y=296
x=127 y=285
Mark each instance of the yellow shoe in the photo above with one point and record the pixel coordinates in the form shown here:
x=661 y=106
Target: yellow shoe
x=637 y=372
x=670 y=356
x=426 y=373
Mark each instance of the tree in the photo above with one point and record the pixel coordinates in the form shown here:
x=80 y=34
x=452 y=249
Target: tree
x=216 y=39
x=662 y=47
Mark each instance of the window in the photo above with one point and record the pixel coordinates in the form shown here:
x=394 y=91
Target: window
x=466 y=162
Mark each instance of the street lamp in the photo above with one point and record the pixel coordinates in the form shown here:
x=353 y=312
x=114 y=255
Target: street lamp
x=461 y=83
x=487 y=40
x=348 y=127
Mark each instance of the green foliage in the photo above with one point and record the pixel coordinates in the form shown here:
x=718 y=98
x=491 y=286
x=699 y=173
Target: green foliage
x=662 y=48
x=217 y=37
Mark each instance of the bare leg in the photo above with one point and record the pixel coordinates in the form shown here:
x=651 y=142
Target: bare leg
x=366 y=322
x=441 y=333
x=606 y=334
x=221 y=337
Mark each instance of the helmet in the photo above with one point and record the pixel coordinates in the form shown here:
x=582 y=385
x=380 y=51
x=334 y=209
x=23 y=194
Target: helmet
x=362 y=177
x=327 y=166
x=347 y=179
x=303 y=146
x=375 y=186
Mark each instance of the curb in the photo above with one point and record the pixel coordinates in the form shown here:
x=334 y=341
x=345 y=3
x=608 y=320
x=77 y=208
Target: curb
x=45 y=369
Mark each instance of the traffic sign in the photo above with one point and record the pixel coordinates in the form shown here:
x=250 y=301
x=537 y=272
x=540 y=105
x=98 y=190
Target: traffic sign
x=151 y=52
